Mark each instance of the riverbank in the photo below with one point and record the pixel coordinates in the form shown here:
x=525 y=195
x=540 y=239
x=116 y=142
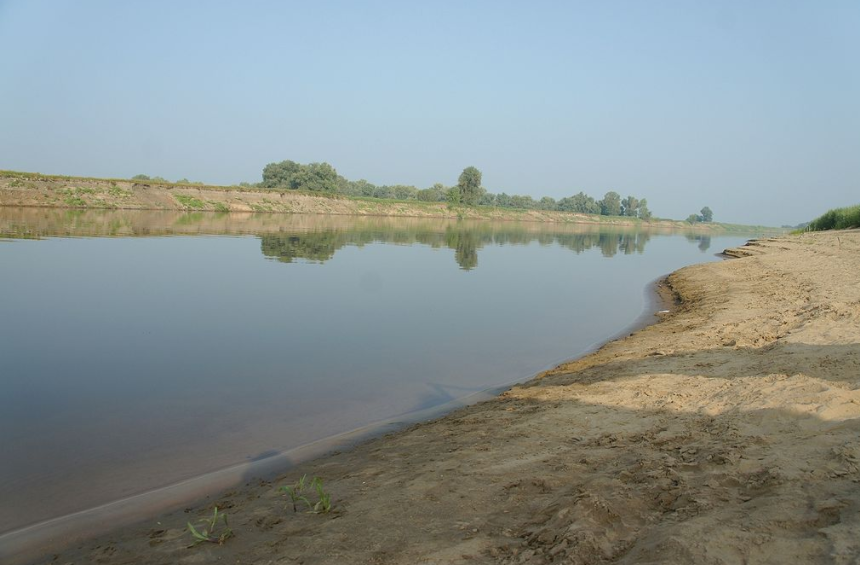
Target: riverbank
x=50 y=191
x=727 y=432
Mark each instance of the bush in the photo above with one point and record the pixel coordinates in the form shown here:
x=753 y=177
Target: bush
x=837 y=219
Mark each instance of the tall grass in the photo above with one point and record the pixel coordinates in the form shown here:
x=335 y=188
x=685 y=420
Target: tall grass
x=837 y=219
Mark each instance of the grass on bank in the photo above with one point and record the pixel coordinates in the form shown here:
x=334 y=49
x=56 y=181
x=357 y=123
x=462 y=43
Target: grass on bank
x=836 y=219
x=190 y=201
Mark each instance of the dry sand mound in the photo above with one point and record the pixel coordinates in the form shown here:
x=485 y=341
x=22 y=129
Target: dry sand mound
x=727 y=433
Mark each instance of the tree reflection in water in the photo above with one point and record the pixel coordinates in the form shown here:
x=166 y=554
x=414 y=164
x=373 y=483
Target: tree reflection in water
x=465 y=241
x=290 y=237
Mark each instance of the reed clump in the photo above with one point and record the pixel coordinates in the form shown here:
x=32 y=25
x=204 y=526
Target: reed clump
x=837 y=219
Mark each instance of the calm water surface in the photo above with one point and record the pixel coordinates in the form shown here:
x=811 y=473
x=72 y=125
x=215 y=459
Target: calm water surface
x=130 y=360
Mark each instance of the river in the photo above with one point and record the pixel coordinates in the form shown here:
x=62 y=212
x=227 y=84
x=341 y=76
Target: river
x=143 y=349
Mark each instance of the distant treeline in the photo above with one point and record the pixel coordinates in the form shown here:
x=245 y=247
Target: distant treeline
x=322 y=177
x=162 y=179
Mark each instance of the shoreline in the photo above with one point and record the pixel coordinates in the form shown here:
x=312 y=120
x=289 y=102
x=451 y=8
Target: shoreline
x=727 y=431
x=60 y=533
x=33 y=190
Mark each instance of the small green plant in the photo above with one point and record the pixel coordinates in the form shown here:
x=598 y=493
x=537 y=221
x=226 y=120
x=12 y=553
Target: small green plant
x=220 y=207
x=117 y=191
x=189 y=201
x=323 y=505
x=296 y=494
x=261 y=207
x=75 y=201
x=207 y=532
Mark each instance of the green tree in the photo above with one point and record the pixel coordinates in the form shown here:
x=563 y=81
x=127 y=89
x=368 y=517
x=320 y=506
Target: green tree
x=469 y=185
x=644 y=212
x=317 y=177
x=630 y=207
x=404 y=192
x=547 y=203
x=385 y=191
x=435 y=193
x=360 y=188
x=693 y=218
x=487 y=199
x=611 y=204
x=580 y=203
x=707 y=215
x=504 y=200
x=280 y=175
x=140 y=177
x=524 y=202
x=453 y=195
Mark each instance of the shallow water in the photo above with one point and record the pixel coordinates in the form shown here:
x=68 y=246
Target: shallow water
x=130 y=360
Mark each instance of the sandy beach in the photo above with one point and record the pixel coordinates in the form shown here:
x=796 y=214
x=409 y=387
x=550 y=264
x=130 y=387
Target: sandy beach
x=726 y=433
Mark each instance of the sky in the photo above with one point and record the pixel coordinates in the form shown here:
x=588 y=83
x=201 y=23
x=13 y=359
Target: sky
x=750 y=108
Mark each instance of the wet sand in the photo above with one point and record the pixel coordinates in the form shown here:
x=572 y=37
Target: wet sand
x=726 y=433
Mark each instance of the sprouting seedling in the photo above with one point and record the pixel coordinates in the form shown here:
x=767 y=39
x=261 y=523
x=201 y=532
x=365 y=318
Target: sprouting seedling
x=323 y=505
x=295 y=492
x=207 y=532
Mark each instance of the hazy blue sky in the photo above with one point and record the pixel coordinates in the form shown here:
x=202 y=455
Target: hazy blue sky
x=752 y=108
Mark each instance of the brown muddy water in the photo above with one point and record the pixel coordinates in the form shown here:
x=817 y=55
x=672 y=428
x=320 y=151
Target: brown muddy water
x=131 y=361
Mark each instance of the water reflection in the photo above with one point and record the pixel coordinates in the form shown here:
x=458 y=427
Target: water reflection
x=704 y=241
x=464 y=240
x=287 y=238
